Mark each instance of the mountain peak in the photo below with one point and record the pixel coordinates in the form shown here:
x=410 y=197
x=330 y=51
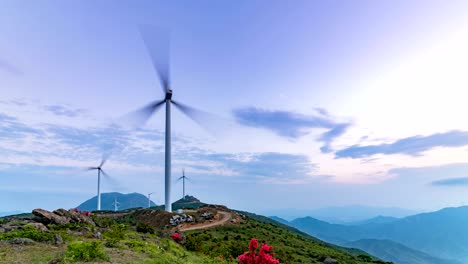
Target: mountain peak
x=126 y=201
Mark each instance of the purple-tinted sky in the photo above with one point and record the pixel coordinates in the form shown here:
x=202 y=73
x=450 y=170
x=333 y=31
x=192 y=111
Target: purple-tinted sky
x=317 y=103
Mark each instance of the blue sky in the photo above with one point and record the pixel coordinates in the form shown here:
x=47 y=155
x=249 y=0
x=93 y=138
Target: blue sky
x=314 y=103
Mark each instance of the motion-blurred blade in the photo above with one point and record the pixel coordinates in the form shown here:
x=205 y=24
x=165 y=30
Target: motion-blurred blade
x=104 y=159
x=139 y=117
x=204 y=119
x=109 y=178
x=157 y=42
x=180 y=178
x=91 y=168
x=105 y=174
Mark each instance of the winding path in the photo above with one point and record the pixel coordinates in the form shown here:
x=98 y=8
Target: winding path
x=225 y=217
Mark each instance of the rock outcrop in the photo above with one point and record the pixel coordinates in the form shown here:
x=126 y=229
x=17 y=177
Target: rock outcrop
x=46 y=217
x=39 y=226
x=61 y=217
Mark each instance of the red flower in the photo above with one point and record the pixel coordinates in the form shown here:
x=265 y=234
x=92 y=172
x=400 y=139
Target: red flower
x=86 y=213
x=264 y=256
x=253 y=244
x=176 y=237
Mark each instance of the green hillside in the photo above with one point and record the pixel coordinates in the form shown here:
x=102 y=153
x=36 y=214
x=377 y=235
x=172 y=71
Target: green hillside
x=397 y=253
x=290 y=244
x=144 y=236
x=126 y=201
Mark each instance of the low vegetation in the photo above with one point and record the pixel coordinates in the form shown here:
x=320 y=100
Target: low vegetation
x=143 y=236
x=229 y=242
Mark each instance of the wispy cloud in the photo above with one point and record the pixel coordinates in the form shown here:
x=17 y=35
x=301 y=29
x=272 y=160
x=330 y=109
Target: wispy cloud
x=269 y=167
x=62 y=110
x=451 y=182
x=292 y=125
x=11 y=127
x=141 y=150
x=411 y=145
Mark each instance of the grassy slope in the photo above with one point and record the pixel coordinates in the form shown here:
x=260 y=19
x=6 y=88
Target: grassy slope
x=289 y=247
x=121 y=245
x=268 y=220
x=205 y=246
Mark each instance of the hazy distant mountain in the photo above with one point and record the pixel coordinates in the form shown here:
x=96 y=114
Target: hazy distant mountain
x=341 y=214
x=125 y=201
x=443 y=234
x=2 y=214
x=397 y=253
x=279 y=219
x=376 y=220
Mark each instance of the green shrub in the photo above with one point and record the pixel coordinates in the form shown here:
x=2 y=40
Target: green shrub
x=70 y=226
x=103 y=221
x=144 y=228
x=193 y=243
x=117 y=232
x=112 y=243
x=366 y=258
x=85 y=251
x=27 y=232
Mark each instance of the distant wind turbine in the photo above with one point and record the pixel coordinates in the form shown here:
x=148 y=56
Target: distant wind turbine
x=149 y=199
x=99 y=169
x=157 y=42
x=116 y=204
x=183 y=178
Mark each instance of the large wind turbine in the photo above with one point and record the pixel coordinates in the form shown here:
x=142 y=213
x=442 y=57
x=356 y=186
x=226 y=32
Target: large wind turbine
x=99 y=169
x=157 y=43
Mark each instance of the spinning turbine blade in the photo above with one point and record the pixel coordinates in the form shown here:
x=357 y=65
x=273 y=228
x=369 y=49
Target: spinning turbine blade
x=202 y=118
x=104 y=159
x=157 y=42
x=91 y=168
x=105 y=174
x=140 y=116
x=110 y=179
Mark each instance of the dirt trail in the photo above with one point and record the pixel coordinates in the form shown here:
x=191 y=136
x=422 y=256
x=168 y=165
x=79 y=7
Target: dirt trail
x=225 y=217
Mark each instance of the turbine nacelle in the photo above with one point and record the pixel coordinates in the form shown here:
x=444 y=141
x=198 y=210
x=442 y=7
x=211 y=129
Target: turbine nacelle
x=168 y=95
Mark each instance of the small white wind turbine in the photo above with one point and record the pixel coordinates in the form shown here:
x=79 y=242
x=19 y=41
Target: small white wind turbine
x=183 y=178
x=100 y=171
x=116 y=204
x=149 y=199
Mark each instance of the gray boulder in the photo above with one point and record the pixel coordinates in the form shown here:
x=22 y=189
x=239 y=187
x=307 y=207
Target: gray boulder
x=330 y=261
x=46 y=217
x=57 y=239
x=21 y=241
x=40 y=227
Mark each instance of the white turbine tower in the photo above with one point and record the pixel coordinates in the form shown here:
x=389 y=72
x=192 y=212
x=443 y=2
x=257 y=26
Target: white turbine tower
x=183 y=178
x=157 y=44
x=116 y=204
x=149 y=199
x=100 y=171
